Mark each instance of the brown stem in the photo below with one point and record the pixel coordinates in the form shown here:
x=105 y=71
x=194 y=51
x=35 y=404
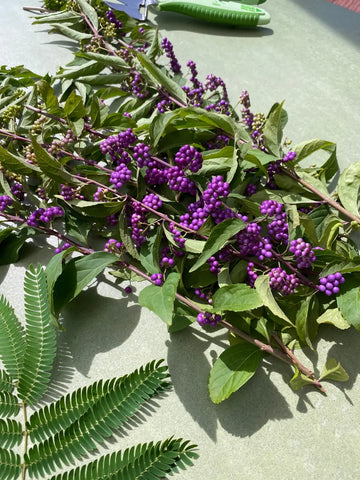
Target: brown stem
x=321 y=195
x=309 y=373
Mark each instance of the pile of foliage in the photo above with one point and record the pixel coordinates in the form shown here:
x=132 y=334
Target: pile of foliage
x=58 y=434
x=223 y=217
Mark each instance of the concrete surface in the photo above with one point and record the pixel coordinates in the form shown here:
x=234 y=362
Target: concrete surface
x=308 y=55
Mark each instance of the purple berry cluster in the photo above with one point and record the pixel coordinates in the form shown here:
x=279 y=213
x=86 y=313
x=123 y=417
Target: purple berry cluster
x=142 y=155
x=18 y=191
x=216 y=189
x=283 y=282
x=250 y=242
x=196 y=92
x=120 y=176
x=303 y=252
x=177 y=235
x=167 y=260
x=114 y=246
x=189 y=157
x=138 y=224
x=138 y=85
x=114 y=145
x=169 y=51
x=112 y=219
x=251 y=188
x=67 y=192
x=278 y=228
x=157 y=279
x=112 y=19
x=289 y=157
x=5 y=201
x=252 y=275
x=203 y=296
x=270 y=207
x=44 y=215
x=246 y=114
x=178 y=182
x=163 y=105
x=63 y=247
x=330 y=284
x=195 y=216
x=214 y=265
x=207 y=318
x=153 y=201
x=156 y=176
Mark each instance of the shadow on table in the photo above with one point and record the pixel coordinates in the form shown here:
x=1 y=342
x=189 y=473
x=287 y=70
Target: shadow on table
x=259 y=400
x=343 y=20
x=98 y=323
x=345 y=347
x=245 y=411
x=176 y=21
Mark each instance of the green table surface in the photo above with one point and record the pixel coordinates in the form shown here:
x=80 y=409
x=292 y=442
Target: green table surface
x=308 y=56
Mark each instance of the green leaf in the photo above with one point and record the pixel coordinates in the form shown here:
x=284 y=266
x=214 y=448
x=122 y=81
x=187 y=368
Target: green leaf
x=150 y=252
x=16 y=164
x=74 y=107
x=160 y=300
x=90 y=12
x=9 y=404
x=183 y=316
x=106 y=60
x=299 y=380
x=52 y=167
x=71 y=32
x=10 y=464
x=53 y=271
x=92 y=67
x=77 y=274
x=48 y=94
x=304 y=315
x=234 y=367
x=96 y=209
x=273 y=128
x=262 y=286
x=161 y=79
x=333 y=371
x=12 y=244
x=348 y=188
x=126 y=236
x=307 y=148
x=112 y=410
x=333 y=316
x=236 y=298
x=220 y=234
x=55 y=17
x=5 y=382
x=348 y=301
x=12 y=340
x=11 y=433
x=40 y=339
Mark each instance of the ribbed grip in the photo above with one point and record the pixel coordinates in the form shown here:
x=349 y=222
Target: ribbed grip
x=213 y=13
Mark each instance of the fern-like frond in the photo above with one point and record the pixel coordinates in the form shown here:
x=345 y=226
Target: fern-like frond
x=11 y=432
x=9 y=404
x=10 y=465
x=12 y=340
x=110 y=412
x=59 y=415
x=6 y=384
x=146 y=461
x=40 y=345
x=156 y=461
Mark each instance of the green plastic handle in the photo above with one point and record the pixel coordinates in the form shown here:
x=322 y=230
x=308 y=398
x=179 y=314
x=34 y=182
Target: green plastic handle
x=219 y=11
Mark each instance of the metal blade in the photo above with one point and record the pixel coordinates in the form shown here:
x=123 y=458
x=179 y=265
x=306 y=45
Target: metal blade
x=133 y=10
